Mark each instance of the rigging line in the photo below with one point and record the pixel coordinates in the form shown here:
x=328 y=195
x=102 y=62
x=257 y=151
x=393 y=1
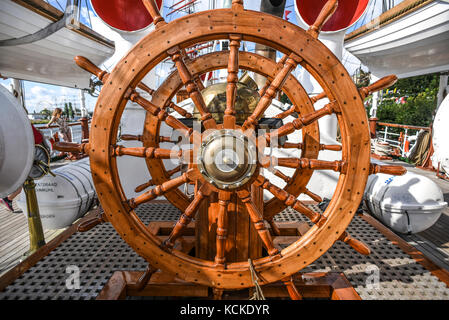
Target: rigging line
x=60 y=5
x=372 y=12
x=361 y=22
x=373 y=7
x=88 y=14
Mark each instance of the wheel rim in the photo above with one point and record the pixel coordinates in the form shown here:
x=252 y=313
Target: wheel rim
x=256 y=27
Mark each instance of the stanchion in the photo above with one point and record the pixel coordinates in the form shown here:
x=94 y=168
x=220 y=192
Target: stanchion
x=36 y=231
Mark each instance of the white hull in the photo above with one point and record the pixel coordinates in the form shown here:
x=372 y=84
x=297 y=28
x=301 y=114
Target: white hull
x=415 y=44
x=440 y=157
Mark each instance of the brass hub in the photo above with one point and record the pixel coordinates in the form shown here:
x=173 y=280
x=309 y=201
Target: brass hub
x=227 y=159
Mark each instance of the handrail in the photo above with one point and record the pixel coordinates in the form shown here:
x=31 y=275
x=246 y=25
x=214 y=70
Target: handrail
x=403 y=126
x=53 y=126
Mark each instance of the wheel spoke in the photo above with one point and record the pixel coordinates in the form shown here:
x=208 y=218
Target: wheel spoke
x=280 y=64
x=312 y=195
x=196 y=77
x=305 y=163
x=276 y=85
x=131 y=137
x=286 y=113
x=149 y=153
x=159 y=190
x=150 y=107
x=387 y=169
x=102 y=75
x=151 y=182
x=231 y=88
x=326 y=12
x=187 y=216
x=179 y=110
x=153 y=10
x=199 y=83
x=331 y=147
x=279 y=174
x=380 y=84
x=222 y=226
x=258 y=222
x=146 y=88
x=301 y=122
x=72 y=147
x=356 y=244
x=289 y=200
x=274 y=227
x=134 y=96
x=192 y=88
x=171 y=121
x=175 y=124
x=90 y=67
x=237 y=4
x=168 y=139
x=318 y=97
x=291 y=288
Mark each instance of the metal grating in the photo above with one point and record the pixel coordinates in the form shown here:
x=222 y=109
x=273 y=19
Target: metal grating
x=400 y=276
x=100 y=252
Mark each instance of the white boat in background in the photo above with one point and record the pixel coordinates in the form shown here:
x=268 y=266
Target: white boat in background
x=410 y=39
x=49 y=59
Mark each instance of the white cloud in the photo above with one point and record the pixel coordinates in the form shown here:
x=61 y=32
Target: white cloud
x=41 y=91
x=69 y=91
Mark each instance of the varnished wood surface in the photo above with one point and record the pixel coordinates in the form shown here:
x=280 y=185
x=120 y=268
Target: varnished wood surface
x=331 y=286
x=314 y=57
x=247 y=61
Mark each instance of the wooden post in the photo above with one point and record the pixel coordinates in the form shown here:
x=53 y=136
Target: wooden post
x=84 y=128
x=372 y=127
x=242 y=240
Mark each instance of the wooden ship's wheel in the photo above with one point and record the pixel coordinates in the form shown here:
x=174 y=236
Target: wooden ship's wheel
x=226 y=157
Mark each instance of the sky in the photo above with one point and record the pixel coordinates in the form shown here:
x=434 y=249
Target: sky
x=39 y=96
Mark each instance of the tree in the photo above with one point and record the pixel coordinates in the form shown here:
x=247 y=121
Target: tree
x=70 y=111
x=420 y=96
x=66 y=109
x=46 y=113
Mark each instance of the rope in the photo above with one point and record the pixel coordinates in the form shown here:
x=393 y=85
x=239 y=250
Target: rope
x=258 y=294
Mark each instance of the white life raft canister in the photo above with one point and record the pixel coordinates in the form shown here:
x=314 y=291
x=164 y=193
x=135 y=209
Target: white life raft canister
x=407 y=204
x=64 y=198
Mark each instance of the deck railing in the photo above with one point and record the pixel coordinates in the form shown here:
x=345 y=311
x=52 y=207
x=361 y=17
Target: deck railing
x=400 y=139
x=79 y=131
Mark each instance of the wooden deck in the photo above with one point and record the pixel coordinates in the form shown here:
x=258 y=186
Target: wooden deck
x=433 y=242
x=14 y=238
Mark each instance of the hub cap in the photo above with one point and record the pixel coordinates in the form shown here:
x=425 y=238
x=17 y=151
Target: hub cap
x=227 y=159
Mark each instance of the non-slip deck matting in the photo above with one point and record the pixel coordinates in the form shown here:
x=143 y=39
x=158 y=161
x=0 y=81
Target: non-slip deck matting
x=100 y=251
